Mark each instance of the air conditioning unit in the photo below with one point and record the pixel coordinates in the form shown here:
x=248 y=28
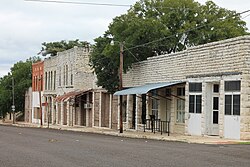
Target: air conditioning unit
x=87 y=105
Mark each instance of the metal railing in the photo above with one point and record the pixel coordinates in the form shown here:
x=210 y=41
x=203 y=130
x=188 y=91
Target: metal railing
x=165 y=127
x=156 y=125
x=152 y=124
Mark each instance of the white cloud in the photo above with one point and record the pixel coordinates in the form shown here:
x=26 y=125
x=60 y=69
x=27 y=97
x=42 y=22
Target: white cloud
x=25 y=25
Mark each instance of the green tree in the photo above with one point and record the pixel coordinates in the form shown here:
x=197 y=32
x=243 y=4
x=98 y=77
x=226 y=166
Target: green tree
x=52 y=48
x=153 y=27
x=22 y=74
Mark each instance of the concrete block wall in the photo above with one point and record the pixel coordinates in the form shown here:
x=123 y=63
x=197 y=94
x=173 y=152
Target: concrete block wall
x=230 y=55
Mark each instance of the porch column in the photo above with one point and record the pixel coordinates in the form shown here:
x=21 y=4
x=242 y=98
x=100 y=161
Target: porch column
x=221 y=107
x=118 y=113
x=110 y=110
x=129 y=111
x=93 y=109
x=62 y=112
x=53 y=111
x=100 y=109
x=87 y=111
x=73 y=114
x=136 y=111
x=148 y=106
x=57 y=120
x=68 y=113
x=203 y=115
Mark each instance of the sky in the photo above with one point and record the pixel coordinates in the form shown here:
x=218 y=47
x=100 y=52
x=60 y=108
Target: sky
x=24 y=25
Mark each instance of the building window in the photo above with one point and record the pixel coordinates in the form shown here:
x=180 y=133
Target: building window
x=195 y=87
x=232 y=97
x=60 y=75
x=231 y=86
x=181 y=91
x=180 y=108
x=216 y=88
x=54 y=80
x=154 y=104
x=64 y=75
x=232 y=104
x=46 y=80
x=168 y=92
x=67 y=73
x=71 y=79
x=51 y=83
x=144 y=108
x=41 y=82
x=195 y=90
x=36 y=84
x=194 y=103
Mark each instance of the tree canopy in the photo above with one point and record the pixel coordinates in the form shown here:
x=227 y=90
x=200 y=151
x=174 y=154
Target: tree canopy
x=153 y=27
x=22 y=74
x=51 y=48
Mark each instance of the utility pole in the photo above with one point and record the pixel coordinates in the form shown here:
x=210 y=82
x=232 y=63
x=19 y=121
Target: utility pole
x=40 y=97
x=13 y=101
x=120 y=84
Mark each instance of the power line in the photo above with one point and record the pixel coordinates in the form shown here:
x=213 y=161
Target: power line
x=170 y=36
x=103 y=4
x=81 y=3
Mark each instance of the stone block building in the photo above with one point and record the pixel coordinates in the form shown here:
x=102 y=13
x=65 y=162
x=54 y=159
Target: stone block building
x=203 y=90
x=71 y=95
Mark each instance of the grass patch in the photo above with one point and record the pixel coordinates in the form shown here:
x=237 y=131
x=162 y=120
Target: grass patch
x=244 y=143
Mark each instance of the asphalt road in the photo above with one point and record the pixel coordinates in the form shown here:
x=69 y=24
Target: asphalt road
x=33 y=147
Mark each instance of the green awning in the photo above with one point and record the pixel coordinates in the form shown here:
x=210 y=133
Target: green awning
x=146 y=88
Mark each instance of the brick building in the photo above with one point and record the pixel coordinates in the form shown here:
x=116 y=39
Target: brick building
x=37 y=91
x=204 y=90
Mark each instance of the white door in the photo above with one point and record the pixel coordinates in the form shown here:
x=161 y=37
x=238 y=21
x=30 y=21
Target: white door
x=232 y=127
x=232 y=116
x=215 y=116
x=194 y=124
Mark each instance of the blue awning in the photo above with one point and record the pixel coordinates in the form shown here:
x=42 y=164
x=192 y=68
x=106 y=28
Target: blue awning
x=145 y=88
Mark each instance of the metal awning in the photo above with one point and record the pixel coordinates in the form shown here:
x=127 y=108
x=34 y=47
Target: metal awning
x=145 y=88
x=69 y=95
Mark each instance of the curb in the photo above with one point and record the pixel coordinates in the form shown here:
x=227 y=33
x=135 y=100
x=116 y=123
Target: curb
x=201 y=140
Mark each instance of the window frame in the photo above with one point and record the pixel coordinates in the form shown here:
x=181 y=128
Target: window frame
x=195 y=93
x=155 y=104
x=232 y=94
x=180 y=99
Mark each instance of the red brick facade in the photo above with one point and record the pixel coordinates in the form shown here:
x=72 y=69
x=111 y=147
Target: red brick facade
x=37 y=76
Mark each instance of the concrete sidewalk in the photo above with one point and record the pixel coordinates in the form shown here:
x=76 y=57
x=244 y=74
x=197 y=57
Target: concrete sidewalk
x=136 y=134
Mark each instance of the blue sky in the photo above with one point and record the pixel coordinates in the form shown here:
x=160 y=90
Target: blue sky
x=25 y=25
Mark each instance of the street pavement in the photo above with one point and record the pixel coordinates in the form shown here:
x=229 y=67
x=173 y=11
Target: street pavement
x=41 y=147
x=137 y=134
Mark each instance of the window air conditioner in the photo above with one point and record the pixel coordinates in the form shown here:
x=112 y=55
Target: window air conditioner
x=87 y=105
